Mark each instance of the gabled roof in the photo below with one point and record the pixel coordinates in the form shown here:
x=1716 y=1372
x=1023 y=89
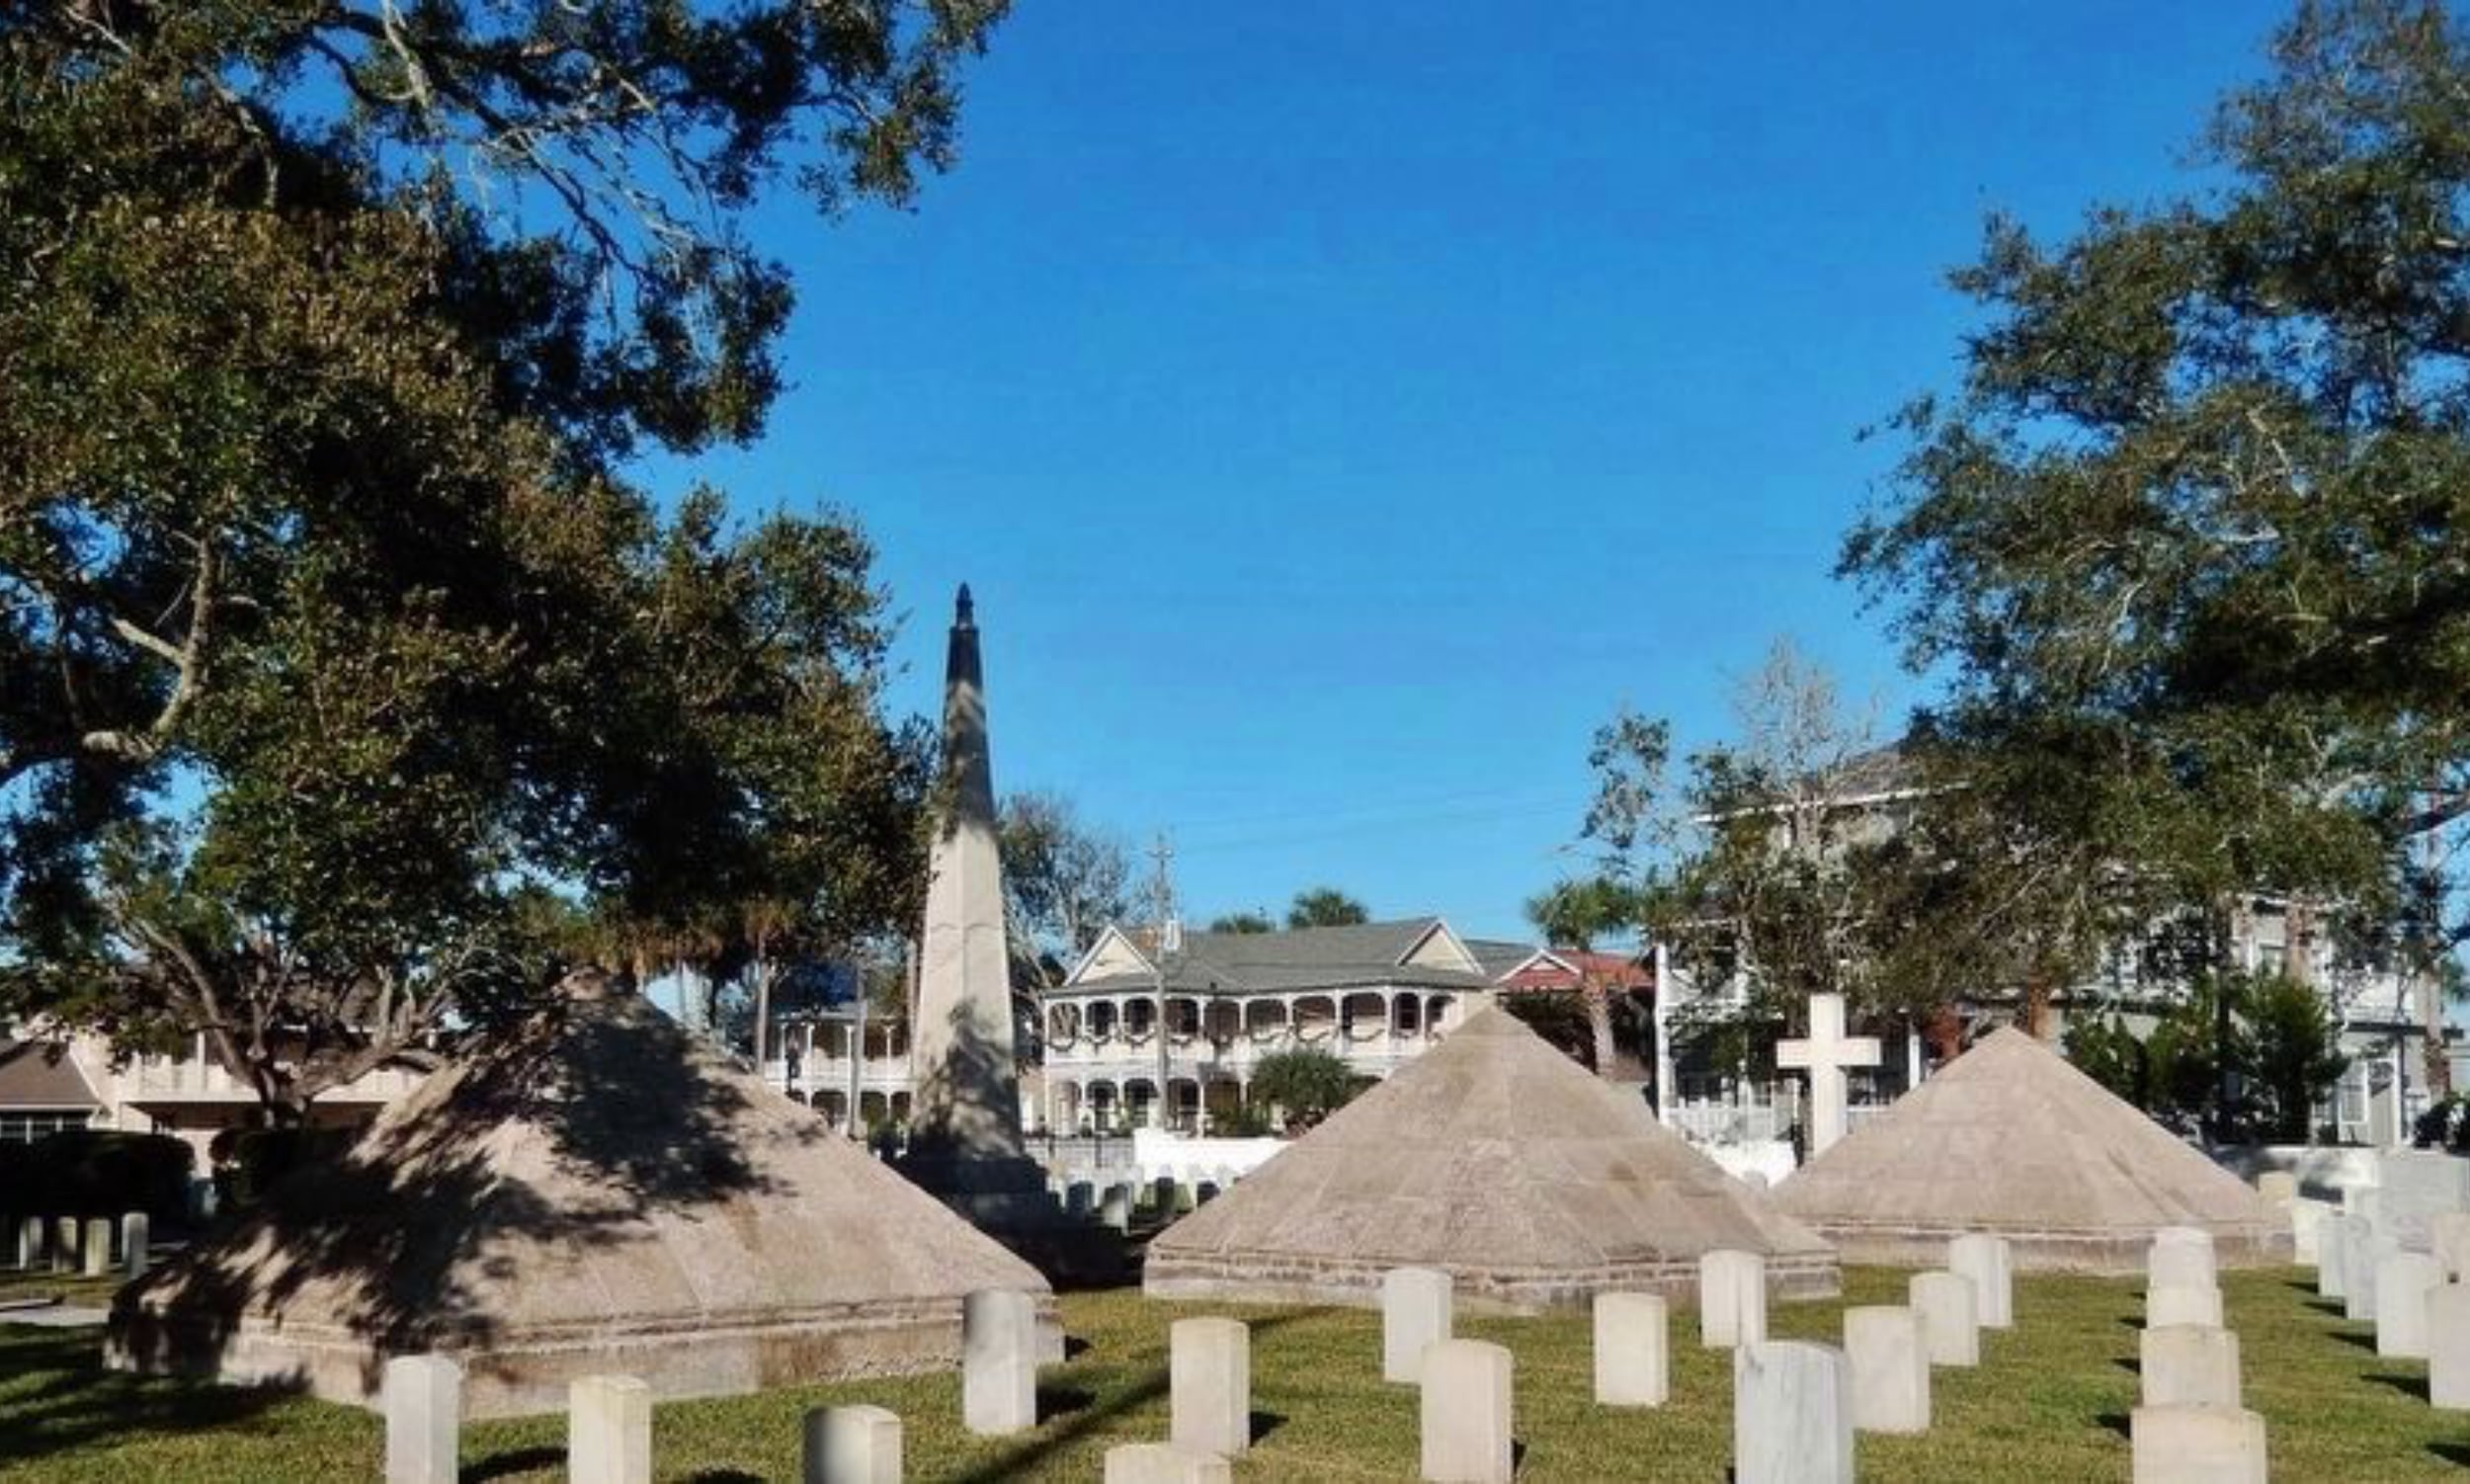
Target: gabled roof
x=1499 y=1160
x=1569 y=968
x=1500 y=956
x=40 y=1075
x=1420 y=951
x=2011 y=1140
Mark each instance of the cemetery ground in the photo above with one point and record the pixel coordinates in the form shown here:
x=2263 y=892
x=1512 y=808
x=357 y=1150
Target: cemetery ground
x=2049 y=1403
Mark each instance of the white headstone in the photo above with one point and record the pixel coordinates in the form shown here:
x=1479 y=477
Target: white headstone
x=2449 y=1239
x=2190 y=1366
x=2411 y=1186
x=2332 y=1256
x=1732 y=1298
x=1415 y=1313
x=2182 y=1303
x=2448 y=1346
x=28 y=1241
x=1633 y=1350
x=1209 y=1364
x=1991 y=1264
x=2404 y=1280
x=857 y=1444
x=2363 y=1248
x=1115 y=1207
x=1467 y=1413
x=1951 y=1324
x=999 y=1361
x=65 y=1244
x=423 y=1399
x=1165 y=1463
x=136 y=1234
x=609 y=1430
x=1791 y=1414
x=97 y=1248
x=1825 y=1055
x=2197 y=1446
x=2180 y=1256
x=1890 y=1369
x=2307 y=1223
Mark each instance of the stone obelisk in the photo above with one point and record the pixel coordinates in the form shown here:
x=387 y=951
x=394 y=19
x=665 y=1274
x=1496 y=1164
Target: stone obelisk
x=966 y=1102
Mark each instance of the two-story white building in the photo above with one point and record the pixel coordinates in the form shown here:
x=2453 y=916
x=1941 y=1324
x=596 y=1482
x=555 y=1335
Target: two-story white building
x=1376 y=995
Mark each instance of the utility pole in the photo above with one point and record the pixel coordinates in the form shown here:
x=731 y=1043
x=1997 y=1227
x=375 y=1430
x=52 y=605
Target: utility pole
x=1170 y=941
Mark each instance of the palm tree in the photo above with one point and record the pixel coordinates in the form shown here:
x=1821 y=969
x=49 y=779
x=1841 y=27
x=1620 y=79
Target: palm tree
x=1576 y=915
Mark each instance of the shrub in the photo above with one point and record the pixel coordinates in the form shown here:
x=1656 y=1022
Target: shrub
x=95 y=1172
x=248 y=1161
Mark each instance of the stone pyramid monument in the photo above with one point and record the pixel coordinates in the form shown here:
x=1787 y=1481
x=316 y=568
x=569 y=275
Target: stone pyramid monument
x=2010 y=1139
x=596 y=1192
x=1498 y=1159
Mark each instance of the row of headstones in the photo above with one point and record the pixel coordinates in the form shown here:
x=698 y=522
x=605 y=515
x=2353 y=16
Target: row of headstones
x=2192 y=1423
x=2418 y=1302
x=1163 y=1197
x=609 y=1430
x=1796 y=1405
x=65 y=1244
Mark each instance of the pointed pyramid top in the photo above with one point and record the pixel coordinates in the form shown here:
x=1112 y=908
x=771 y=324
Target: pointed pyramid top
x=965 y=610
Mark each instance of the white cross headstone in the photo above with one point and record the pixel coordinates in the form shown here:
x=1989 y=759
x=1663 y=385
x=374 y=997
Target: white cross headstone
x=1825 y=1055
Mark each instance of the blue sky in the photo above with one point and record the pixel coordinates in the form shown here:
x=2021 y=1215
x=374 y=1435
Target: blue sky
x=1339 y=410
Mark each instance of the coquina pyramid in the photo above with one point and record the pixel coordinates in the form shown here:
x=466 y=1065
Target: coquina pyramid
x=596 y=1192
x=1498 y=1159
x=2010 y=1139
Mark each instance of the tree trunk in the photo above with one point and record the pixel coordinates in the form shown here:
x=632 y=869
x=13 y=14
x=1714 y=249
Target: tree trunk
x=1599 y=1027
x=2037 y=997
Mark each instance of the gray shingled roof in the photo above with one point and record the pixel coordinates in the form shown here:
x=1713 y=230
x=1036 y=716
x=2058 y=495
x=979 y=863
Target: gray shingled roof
x=39 y=1075
x=1300 y=958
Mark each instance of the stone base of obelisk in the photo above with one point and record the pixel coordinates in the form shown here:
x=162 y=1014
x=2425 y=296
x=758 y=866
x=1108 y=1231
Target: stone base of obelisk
x=1005 y=1198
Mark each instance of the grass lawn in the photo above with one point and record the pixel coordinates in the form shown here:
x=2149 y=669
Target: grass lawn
x=2048 y=1404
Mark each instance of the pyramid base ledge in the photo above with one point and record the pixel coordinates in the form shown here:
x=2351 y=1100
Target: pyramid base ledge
x=2095 y=1254
x=1477 y=1289
x=521 y=1373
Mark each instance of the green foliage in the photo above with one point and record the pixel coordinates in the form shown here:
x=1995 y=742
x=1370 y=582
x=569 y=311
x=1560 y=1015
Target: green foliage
x=2294 y=1064
x=2268 y=1036
x=2187 y=538
x=1307 y=1083
x=1064 y=881
x=249 y=1162
x=1326 y=907
x=311 y=511
x=87 y=1172
x=1243 y=922
x=2105 y=1051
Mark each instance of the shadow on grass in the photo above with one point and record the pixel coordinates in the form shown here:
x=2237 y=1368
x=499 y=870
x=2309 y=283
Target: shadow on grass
x=2118 y=1422
x=1062 y=1401
x=1085 y=1414
x=78 y=1402
x=2130 y=1365
x=2452 y=1452
x=2333 y=1306
x=1262 y=1423
x=724 y=1476
x=513 y=1461
x=2364 y=1341
x=2407 y=1385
